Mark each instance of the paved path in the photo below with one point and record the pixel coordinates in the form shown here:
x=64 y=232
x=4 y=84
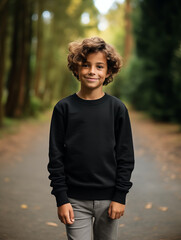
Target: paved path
x=28 y=211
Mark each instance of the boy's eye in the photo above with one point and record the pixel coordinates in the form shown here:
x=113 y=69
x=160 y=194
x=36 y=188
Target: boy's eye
x=99 y=66
x=84 y=65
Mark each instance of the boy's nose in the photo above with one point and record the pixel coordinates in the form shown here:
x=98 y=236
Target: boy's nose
x=92 y=70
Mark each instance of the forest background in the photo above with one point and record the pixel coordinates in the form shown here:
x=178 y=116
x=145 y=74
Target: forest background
x=34 y=37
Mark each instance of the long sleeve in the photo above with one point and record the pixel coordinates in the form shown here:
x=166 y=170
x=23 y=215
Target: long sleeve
x=56 y=157
x=124 y=156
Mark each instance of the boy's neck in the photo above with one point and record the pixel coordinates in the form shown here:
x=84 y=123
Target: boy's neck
x=90 y=95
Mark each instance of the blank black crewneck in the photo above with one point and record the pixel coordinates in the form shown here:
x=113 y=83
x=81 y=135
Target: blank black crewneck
x=91 y=154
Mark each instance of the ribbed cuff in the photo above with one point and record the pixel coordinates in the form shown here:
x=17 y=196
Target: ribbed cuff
x=61 y=198
x=119 y=196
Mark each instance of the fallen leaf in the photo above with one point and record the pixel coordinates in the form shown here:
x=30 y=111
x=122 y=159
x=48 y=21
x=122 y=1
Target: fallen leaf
x=52 y=224
x=122 y=225
x=24 y=206
x=173 y=176
x=163 y=208
x=6 y=179
x=136 y=218
x=148 y=205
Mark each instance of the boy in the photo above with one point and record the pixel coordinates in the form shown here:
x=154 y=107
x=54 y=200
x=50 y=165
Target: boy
x=91 y=155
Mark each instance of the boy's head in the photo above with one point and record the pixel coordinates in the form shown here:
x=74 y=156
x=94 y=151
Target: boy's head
x=79 y=51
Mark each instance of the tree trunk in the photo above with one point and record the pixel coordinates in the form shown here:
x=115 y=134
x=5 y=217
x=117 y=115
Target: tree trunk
x=38 y=51
x=128 y=29
x=26 y=105
x=23 y=62
x=20 y=60
x=3 y=24
x=14 y=70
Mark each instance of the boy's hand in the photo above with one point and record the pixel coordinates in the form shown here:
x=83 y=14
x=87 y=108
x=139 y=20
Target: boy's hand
x=66 y=213
x=116 y=210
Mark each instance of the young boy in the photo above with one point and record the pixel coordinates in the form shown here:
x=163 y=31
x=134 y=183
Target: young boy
x=91 y=155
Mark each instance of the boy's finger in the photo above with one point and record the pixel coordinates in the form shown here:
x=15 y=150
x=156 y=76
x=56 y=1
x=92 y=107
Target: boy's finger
x=112 y=213
x=68 y=221
x=109 y=211
x=63 y=220
x=71 y=213
x=118 y=215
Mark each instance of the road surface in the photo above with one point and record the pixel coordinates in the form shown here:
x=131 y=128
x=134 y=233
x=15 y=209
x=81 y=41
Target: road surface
x=28 y=210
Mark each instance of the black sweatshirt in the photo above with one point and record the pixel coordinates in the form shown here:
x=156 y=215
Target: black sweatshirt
x=91 y=154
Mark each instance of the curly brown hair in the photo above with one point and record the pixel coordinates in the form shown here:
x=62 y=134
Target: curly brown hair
x=78 y=52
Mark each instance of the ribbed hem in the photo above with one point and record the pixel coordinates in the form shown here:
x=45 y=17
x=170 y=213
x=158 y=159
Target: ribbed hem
x=119 y=196
x=61 y=198
x=91 y=193
x=90 y=102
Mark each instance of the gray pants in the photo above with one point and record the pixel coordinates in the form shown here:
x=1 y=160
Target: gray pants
x=92 y=221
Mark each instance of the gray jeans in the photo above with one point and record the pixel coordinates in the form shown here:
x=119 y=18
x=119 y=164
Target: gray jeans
x=92 y=221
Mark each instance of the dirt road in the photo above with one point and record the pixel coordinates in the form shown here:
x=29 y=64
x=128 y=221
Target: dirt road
x=28 y=211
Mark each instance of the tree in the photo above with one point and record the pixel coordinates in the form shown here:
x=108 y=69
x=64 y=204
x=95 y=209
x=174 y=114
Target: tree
x=39 y=49
x=36 y=71
x=3 y=32
x=20 y=53
x=157 y=40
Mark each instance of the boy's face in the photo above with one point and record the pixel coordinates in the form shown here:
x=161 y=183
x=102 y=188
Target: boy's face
x=93 y=72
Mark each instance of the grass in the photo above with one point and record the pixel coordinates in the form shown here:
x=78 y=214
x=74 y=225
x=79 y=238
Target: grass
x=12 y=125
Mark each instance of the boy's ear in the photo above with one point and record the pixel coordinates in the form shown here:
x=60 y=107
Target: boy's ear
x=108 y=74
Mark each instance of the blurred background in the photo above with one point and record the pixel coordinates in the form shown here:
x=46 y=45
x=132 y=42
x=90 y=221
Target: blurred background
x=34 y=46
x=34 y=38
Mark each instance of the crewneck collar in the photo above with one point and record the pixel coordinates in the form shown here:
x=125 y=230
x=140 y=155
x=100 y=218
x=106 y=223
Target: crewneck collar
x=90 y=102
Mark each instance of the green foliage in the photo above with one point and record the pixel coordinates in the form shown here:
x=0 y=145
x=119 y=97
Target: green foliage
x=36 y=106
x=40 y=51
x=132 y=81
x=115 y=35
x=154 y=71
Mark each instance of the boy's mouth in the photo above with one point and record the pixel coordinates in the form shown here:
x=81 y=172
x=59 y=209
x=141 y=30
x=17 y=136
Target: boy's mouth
x=91 y=79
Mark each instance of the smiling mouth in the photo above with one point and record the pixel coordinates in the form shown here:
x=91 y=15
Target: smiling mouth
x=91 y=79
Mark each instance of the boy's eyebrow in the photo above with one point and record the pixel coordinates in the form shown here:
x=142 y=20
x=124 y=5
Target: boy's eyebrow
x=97 y=62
